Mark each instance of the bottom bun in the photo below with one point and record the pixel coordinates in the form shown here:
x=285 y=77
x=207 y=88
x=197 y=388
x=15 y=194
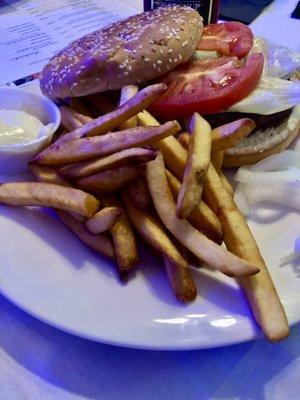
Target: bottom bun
x=262 y=144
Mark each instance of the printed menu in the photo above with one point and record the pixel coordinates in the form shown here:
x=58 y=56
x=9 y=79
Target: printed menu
x=31 y=31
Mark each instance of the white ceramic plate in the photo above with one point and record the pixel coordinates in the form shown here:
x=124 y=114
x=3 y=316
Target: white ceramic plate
x=49 y=273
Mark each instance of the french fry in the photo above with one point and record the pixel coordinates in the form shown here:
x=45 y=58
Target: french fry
x=208 y=251
x=123 y=236
x=131 y=157
x=181 y=280
x=229 y=135
x=100 y=243
x=110 y=180
x=71 y=119
x=87 y=148
x=103 y=220
x=226 y=183
x=202 y=217
x=139 y=193
x=68 y=120
x=225 y=136
x=115 y=118
x=48 y=195
x=43 y=173
x=127 y=93
x=184 y=139
x=217 y=160
x=196 y=167
x=176 y=266
x=259 y=289
x=175 y=157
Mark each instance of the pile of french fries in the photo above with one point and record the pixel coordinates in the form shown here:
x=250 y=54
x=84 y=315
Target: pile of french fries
x=122 y=174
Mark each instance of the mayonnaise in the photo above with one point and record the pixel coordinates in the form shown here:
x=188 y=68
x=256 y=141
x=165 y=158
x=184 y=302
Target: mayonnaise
x=17 y=127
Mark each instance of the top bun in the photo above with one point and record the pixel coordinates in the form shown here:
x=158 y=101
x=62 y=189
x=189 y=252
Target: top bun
x=131 y=51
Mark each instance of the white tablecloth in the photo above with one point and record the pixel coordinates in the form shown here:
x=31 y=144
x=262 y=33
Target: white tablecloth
x=38 y=362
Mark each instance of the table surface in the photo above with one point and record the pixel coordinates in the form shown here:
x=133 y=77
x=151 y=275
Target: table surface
x=38 y=362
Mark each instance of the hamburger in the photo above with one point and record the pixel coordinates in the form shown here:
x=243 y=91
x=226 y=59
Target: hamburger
x=211 y=70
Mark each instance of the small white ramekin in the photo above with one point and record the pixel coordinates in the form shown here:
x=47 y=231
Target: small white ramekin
x=14 y=158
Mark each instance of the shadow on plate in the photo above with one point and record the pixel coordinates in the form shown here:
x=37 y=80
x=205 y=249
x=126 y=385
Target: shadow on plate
x=44 y=223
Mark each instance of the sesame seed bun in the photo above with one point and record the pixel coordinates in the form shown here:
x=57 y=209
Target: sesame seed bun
x=131 y=51
x=262 y=144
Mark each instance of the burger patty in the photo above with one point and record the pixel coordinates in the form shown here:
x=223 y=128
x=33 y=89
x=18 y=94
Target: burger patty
x=262 y=122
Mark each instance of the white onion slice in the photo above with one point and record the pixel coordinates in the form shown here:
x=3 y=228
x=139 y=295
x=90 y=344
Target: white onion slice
x=286 y=194
x=241 y=199
x=278 y=162
x=246 y=175
x=270 y=96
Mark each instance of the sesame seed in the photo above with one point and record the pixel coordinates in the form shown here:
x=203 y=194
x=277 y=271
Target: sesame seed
x=159 y=62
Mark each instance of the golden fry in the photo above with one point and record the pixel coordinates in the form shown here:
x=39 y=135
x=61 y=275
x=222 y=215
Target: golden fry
x=103 y=220
x=110 y=180
x=87 y=148
x=208 y=251
x=259 y=289
x=68 y=118
x=196 y=167
x=139 y=193
x=202 y=217
x=123 y=236
x=229 y=135
x=130 y=157
x=48 y=195
x=217 y=160
x=44 y=173
x=127 y=93
x=153 y=233
x=115 y=118
x=100 y=243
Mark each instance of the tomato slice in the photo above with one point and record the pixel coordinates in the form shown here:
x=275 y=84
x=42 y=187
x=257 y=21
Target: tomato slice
x=208 y=86
x=227 y=38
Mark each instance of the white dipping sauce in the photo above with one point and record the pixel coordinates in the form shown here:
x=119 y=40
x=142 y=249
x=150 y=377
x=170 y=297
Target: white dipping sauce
x=18 y=127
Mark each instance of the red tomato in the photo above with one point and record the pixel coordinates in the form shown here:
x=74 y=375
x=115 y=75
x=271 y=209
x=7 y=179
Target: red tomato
x=208 y=86
x=227 y=38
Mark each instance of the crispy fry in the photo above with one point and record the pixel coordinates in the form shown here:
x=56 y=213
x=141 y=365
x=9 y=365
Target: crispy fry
x=202 y=218
x=175 y=157
x=71 y=119
x=196 y=167
x=115 y=118
x=110 y=180
x=229 y=135
x=103 y=220
x=123 y=236
x=184 y=139
x=181 y=280
x=44 y=173
x=260 y=291
x=130 y=157
x=87 y=148
x=127 y=93
x=217 y=160
x=139 y=193
x=48 y=195
x=100 y=243
x=176 y=266
x=225 y=136
x=226 y=183
x=208 y=251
